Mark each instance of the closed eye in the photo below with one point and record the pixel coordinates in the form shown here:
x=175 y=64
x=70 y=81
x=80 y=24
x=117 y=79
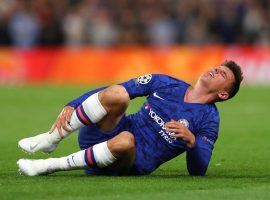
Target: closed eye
x=222 y=72
x=224 y=75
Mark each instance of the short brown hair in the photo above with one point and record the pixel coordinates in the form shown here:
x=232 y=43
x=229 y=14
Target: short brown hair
x=238 y=76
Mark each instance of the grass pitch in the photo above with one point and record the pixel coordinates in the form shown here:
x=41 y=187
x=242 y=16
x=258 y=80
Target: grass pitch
x=239 y=169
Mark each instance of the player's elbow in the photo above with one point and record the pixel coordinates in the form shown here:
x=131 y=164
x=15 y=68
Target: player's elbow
x=199 y=170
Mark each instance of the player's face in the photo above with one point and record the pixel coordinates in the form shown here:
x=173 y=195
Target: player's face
x=218 y=80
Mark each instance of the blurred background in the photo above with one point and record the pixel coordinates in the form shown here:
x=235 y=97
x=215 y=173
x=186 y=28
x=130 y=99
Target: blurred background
x=52 y=51
x=101 y=41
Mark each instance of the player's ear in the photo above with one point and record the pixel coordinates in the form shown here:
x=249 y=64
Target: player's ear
x=223 y=95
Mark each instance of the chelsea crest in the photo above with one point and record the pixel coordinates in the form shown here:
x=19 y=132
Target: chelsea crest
x=184 y=122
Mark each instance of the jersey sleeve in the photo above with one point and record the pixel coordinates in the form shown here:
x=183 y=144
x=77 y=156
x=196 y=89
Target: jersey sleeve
x=77 y=101
x=144 y=85
x=199 y=156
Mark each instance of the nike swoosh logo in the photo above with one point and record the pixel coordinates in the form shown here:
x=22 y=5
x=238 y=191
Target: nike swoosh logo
x=73 y=160
x=155 y=95
x=33 y=146
x=68 y=123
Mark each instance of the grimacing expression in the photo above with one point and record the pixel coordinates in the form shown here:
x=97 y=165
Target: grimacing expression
x=218 y=79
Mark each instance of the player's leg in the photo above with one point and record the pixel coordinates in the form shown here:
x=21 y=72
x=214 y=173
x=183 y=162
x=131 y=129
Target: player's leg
x=117 y=153
x=104 y=108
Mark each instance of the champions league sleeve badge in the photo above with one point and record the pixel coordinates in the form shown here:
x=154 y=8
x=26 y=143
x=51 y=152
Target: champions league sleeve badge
x=144 y=79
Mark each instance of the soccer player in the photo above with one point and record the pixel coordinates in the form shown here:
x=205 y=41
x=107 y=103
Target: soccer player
x=176 y=118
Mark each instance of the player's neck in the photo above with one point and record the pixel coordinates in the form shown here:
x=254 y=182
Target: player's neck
x=198 y=94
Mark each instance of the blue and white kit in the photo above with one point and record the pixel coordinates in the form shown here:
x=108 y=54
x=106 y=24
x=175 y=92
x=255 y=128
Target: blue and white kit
x=155 y=145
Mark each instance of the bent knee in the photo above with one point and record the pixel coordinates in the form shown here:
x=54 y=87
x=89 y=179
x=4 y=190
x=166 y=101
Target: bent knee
x=114 y=95
x=123 y=143
x=127 y=140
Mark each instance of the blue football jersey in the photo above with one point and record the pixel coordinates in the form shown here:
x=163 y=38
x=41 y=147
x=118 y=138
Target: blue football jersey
x=165 y=102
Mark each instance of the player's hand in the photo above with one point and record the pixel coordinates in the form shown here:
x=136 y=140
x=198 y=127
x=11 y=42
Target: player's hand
x=181 y=131
x=62 y=119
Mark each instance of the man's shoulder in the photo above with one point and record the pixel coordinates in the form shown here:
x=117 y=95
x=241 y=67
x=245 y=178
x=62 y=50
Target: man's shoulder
x=164 y=78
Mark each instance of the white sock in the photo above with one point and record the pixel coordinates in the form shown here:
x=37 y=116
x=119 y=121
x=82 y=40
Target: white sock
x=93 y=108
x=99 y=155
x=91 y=111
x=71 y=162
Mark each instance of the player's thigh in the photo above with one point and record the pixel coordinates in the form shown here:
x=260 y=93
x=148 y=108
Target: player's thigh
x=109 y=122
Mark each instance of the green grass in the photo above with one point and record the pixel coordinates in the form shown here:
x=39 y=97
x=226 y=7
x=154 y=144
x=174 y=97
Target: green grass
x=239 y=169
